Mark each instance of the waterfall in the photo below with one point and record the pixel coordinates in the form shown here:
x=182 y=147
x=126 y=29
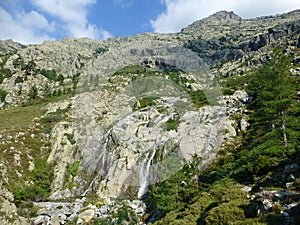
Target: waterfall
x=90 y=187
x=144 y=173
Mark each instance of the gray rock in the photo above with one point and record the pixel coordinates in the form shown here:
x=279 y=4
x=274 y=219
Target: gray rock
x=246 y=189
x=289 y=185
x=86 y=216
x=41 y=220
x=104 y=209
x=290 y=178
x=292 y=168
x=55 y=220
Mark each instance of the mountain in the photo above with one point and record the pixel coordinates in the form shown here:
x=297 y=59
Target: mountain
x=154 y=127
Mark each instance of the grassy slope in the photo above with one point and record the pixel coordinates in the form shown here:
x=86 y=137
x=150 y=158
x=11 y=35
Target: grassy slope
x=23 y=135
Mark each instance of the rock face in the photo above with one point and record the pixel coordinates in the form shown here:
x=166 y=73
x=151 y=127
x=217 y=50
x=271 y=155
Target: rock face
x=141 y=106
x=225 y=37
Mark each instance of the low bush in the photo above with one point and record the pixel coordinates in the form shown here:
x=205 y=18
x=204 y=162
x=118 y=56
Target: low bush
x=4 y=73
x=3 y=94
x=51 y=118
x=42 y=176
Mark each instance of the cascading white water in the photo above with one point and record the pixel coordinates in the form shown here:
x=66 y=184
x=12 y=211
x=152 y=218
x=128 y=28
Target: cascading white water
x=144 y=173
x=143 y=178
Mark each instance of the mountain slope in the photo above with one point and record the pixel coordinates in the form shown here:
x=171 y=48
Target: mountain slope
x=86 y=121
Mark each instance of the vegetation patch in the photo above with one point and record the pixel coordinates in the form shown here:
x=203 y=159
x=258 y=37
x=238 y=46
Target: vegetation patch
x=4 y=73
x=40 y=189
x=51 y=118
x=71 y=172
x=3 y=94
x=27 y=210
x=124 y=215
x=133 y=72
x=132 y=69
x=56 y=116
x=172 y=123
x=198 y=98
x=146 y=102
x=19 y=80
x=52 y=75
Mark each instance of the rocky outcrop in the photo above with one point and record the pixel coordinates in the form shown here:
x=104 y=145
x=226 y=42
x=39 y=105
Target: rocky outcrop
x=8 y=210
x=282 y=203
x=234 y=45
x=81 y=211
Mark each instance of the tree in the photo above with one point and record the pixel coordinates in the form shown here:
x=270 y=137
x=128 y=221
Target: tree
x=273 y=88
x=3 y=94
x=177 y=191
x=33 y=93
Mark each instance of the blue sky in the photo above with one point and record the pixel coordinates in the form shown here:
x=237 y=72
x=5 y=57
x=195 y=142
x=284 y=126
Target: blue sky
x=34 y=21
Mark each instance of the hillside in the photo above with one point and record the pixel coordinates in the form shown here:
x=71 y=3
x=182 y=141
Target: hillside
x=197 y=127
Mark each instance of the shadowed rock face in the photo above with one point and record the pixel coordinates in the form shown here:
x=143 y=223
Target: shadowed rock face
x=224 y=37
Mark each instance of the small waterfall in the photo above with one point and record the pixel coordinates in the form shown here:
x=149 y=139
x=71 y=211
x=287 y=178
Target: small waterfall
x=90 y=187
x=144 y=173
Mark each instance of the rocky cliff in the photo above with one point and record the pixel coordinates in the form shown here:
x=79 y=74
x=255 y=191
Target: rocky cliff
x=112 y=117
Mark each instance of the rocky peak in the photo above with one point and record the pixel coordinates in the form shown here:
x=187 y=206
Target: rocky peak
x=9 y=46
x=225 y=23
x=224 y=16
x=220 y=18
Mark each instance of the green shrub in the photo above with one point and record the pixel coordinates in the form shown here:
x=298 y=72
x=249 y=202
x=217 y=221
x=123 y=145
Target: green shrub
x=124 y=215
x=3 y=94
x=100 y=50
x=27 y=210
x=226 y=213
x=42 y=176
x=70 y=138
x=172 y=124
x=51 y=118
x=47 y=130
x=52 y=75
x=146 y=102
x=19 y=63
x=74 y=168
x=104 y=221
x=33 y=93
x=71 y=169
x=4 y=73
x=133 y=69
x=198 y=98
x=228 y=91
x=19 y=80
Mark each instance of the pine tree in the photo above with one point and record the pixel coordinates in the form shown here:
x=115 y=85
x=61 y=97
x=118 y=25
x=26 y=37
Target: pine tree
x=273 y=89
x=33 y=93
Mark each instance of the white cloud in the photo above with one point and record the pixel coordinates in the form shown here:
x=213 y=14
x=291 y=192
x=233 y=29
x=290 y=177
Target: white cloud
x=65 y=18
x=73 y=15
x=88 y=30
x=24 y=27
x=180 y=13
x=34 y=20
